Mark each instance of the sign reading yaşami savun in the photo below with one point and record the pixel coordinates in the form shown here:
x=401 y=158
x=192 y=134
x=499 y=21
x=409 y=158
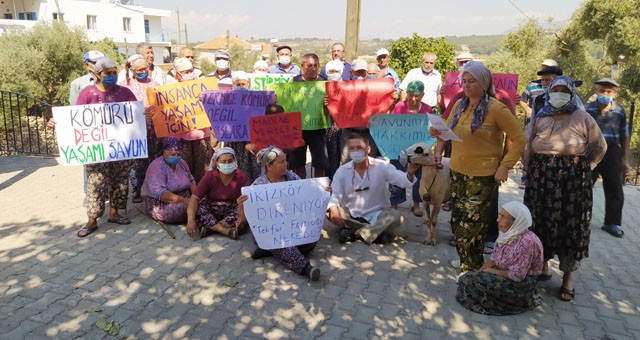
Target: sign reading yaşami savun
x=229 y=112
x=503 y=81
x=98 y=133
x=396 y=132
x=283 y=130
x=351 y=103
x=304 y=97
x=286 y=214
x=178 y=108
x=260 y=81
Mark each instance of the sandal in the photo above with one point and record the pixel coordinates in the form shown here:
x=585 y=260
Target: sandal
x=564 y=292
x=136 y=199
x=417 y=212
x=120 y=220
x=544 y=277
x=613 y=229
x=233 y=233
x=446 y=206
x=84 y=232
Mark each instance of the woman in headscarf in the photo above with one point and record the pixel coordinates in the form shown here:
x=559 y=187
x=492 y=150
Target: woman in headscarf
x=138 y=66
x=213 y=206
x=564 y=145
x=478 y=162
x=273 y=162
x=506 y=284
x=169 y=184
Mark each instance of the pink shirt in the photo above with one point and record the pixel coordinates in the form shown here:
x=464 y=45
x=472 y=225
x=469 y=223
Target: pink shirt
x=139 y=89
x=402 y=107
x=521 y=257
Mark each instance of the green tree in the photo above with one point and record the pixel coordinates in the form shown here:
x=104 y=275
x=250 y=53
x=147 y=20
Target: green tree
x=241 y=59
x=406 y=54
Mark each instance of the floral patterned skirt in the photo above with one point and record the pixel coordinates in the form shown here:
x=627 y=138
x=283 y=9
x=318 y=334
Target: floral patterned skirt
x=489 y=294
x=560 y=197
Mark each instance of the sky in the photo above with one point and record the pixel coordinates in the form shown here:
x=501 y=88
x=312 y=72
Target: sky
x=379 y=18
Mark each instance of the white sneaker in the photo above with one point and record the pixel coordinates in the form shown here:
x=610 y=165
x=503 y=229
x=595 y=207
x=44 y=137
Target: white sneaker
x=455 y=264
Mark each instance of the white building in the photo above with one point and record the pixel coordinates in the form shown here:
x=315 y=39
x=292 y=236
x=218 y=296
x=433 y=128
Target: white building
x=119 y=20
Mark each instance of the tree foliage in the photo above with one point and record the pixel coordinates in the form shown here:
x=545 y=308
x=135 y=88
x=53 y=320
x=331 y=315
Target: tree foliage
x=406 y=54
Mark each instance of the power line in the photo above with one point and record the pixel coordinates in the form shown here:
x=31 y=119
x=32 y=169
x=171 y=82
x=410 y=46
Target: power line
x=518 y=8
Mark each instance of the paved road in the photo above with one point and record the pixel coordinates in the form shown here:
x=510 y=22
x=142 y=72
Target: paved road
x=55 y=285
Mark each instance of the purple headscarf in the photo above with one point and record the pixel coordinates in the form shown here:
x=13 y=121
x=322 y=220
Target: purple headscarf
x=171 y=144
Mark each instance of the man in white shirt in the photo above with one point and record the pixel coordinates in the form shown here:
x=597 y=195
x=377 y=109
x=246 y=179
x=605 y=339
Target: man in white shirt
x=146 y=51
x=429 y=76
x=359 y=201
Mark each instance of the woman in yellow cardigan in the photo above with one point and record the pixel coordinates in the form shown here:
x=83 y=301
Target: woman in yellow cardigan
x=479 y=162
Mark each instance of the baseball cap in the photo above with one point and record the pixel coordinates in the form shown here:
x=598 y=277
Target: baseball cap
x=222 y=54
x=606 y=82
x=283 y=47
x=103 y=64
x=382 y=51
x=464 y=56
x=92 y=56
x=359 y=65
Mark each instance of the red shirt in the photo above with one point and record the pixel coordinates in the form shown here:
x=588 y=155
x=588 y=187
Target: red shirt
x=402 y=107
x=212 y=188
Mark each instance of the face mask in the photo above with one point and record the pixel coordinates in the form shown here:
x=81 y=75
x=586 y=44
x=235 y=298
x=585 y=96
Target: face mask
x=371 y=76
x=284 y=60
x=227 y=168
x=334 y=76
x=222 y=64
x=143 y=76
x=260 y=73
x=173 y=160
x=240 y=88
x=604 y=100
x=190 y=76
x=110 y=80
x=358 y=78
x=358 y=156
x=559 y=99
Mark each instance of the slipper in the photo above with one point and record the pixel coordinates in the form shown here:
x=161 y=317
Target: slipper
x=564 y=292
x=233 y=233
x=120 y=220
x=544 y=277
x=488 y=250
x=446 y=206
x=613 y=229
x=136 y=199
x=84 y=232
x=417 y=212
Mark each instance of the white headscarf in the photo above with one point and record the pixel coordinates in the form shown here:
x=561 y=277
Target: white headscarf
x=521 y=222
x=220 y=152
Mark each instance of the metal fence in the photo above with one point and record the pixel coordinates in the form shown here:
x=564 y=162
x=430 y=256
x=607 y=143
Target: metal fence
x=23 y=126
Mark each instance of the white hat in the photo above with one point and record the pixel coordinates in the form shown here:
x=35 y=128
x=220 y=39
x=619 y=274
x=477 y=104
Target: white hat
x=182 y=64
x=464 y=56
x=549 y=62
x=382 y=51
x=239 y=75
x=335 y=64
x=359 y=65
x=260 y=63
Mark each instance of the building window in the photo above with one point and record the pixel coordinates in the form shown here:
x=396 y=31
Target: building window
x=91 y=22
x=146 y=26
x=58 y=16
x=27 y=16
x=126 y=24
x=8 y=16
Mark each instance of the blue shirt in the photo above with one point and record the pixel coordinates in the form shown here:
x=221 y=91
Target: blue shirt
x=277 y=69
x=394 y=75
x=346 y=72
x=613 y=124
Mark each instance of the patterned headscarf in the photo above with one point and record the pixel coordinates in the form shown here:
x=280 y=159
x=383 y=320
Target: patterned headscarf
x=267 y=156
x=521 y=222
x=171 y=144
x=484 y=77
x=572 y=105
x=220 y=152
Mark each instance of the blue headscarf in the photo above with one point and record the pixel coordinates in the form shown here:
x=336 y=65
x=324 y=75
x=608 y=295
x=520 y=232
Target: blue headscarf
x=572 y=105
x=484 y=77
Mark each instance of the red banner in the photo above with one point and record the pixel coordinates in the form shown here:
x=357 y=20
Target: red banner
x=283 y=130
x=351 y=103
x=502 y=81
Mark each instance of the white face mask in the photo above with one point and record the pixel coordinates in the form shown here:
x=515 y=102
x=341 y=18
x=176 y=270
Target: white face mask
x=260 y=73
x=284 y=60
x=222 y=64
x=334 y=76
x=227 y=168
x=559 y=99
x=186 y=77
x=358 y=156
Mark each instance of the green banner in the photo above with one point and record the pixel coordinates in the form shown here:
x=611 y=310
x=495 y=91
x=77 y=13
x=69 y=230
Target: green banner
x=304 y=97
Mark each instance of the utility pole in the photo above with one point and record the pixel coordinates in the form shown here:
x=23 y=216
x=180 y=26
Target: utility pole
x=228 y=40
x=186 y=36
x=179 y=32
x=352 y=30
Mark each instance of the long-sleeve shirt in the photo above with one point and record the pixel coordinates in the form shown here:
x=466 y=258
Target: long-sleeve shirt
x=161 y=177
x=521 y=257
x=366 y=196
x=481 y=152
x=77 y=85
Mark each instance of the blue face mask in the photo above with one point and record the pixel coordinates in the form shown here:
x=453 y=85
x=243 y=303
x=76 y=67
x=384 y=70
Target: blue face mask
x=110 y=80
x=227 y=168
x=173 y=160
x=604 y=100
x=371 y=76
x=143 y=76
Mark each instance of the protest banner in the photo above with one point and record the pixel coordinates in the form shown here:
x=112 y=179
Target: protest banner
x=396 y=132
x=286 y=214
x=304 y=97
x=178 y=108
x=98 y=133
x=283 y=130
x=229 y=112
x=260 y=81
x=351 y=103
x=502 y=81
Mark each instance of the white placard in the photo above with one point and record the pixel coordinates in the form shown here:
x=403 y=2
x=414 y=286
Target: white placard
x=286 y=214
x=98 y=133
x=439 y=124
